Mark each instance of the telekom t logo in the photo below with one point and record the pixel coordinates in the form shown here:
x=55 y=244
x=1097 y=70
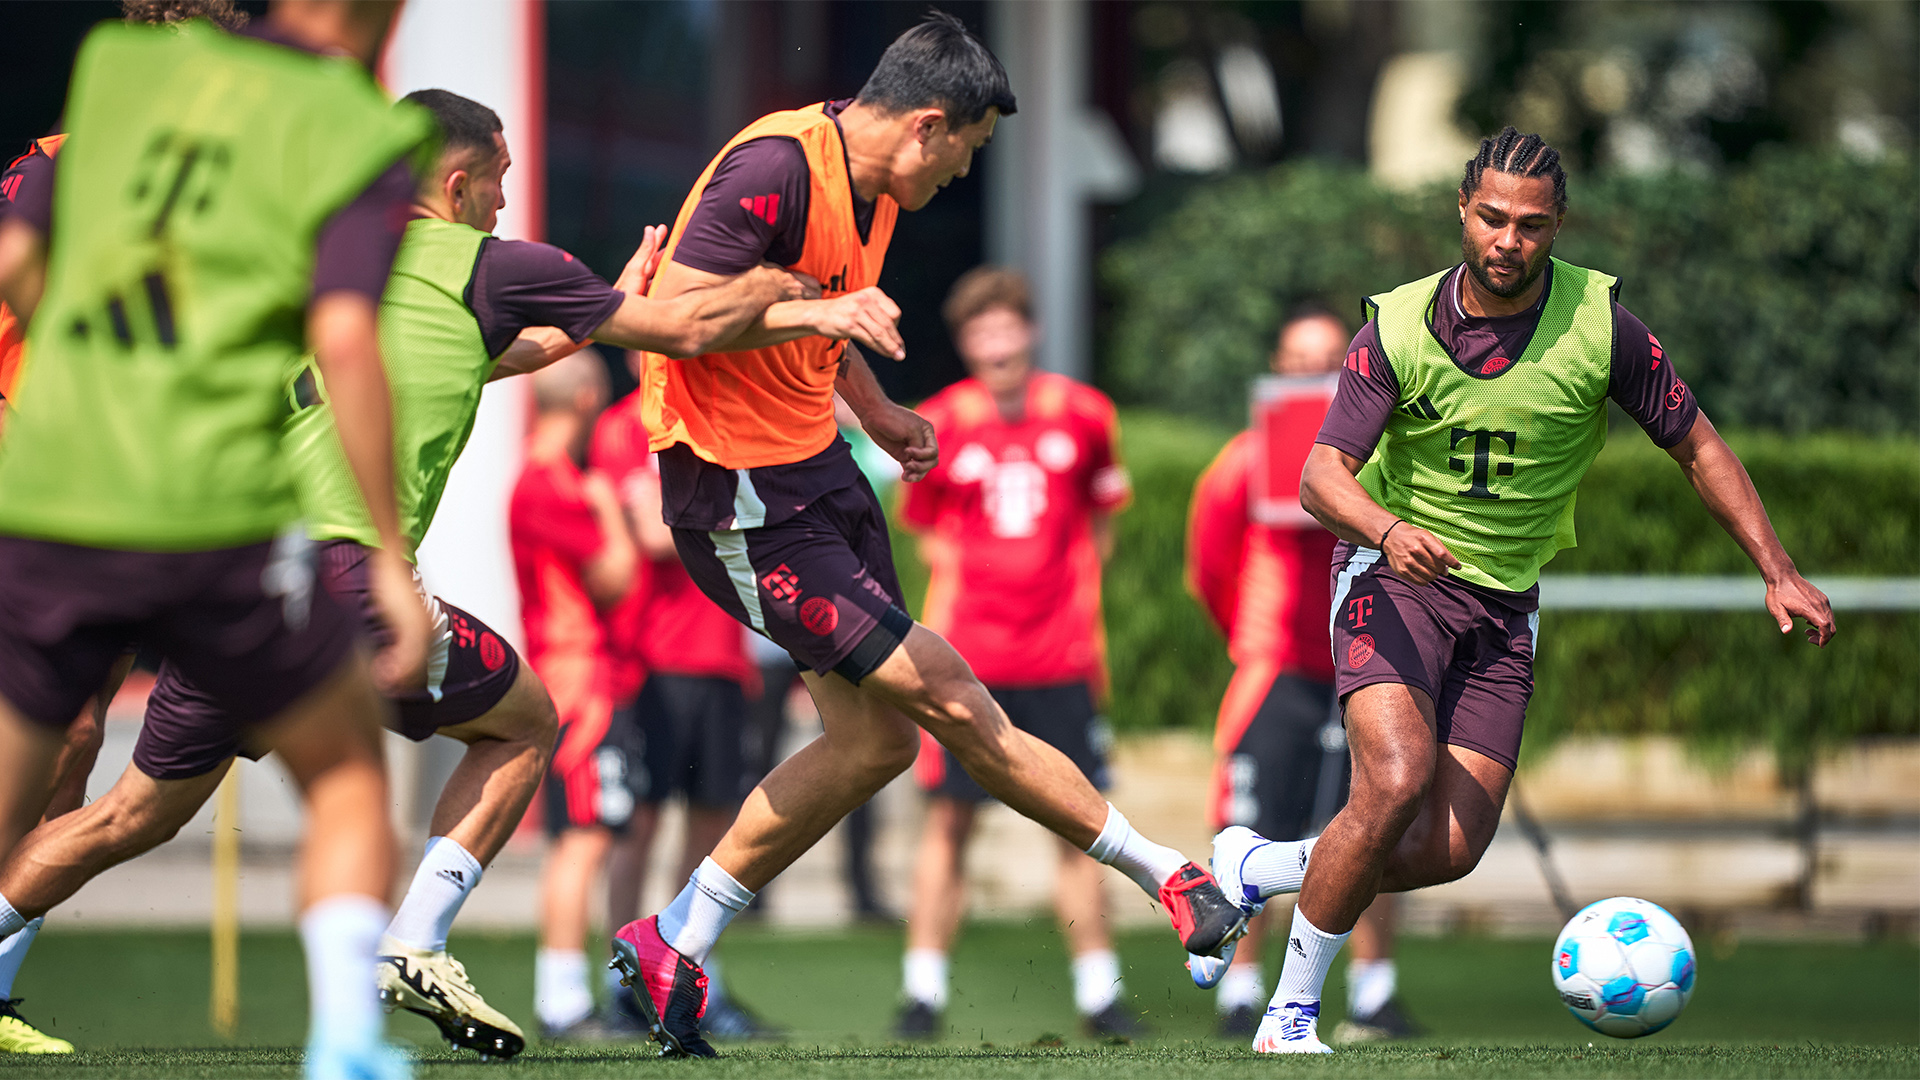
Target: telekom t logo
x=1359 y=609
x=1483 y=465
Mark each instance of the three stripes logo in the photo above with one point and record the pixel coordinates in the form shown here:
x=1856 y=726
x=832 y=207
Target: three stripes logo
x=457 y=877
x=1422 y=409
x=764 y=207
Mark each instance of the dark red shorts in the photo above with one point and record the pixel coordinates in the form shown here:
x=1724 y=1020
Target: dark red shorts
x=820 y=584
x=246 y=623
x=469 y=669
x=1469 y=649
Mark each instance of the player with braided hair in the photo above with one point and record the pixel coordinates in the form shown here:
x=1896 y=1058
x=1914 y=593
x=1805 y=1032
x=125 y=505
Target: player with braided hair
x=1469 y=408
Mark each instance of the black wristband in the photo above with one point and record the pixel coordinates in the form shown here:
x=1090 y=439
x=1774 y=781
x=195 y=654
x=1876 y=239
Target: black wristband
x=1383 y=536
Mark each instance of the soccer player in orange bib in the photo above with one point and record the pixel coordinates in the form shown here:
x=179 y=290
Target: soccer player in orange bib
x=776 y=525
x=1015 y=524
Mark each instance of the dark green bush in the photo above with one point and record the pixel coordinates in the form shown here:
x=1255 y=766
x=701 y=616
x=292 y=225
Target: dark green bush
x=1787 y=291
x=1842 y=504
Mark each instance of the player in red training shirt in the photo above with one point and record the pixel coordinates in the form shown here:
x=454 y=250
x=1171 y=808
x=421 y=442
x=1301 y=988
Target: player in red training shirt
x=682 y=679
x=1015 y=522
x=1282 y=767
x=574 y=559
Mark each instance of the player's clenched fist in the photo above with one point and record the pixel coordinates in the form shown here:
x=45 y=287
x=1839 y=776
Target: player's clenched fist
x=401 y=664
x=907 y=436
x=866 y=316
x=1416 y=554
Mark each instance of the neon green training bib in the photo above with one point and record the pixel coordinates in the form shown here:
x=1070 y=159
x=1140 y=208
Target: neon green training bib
x=1490 y=464
x=437 y=364
x=199 y=169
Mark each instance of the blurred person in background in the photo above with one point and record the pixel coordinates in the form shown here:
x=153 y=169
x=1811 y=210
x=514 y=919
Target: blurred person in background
x=1014 y=524
x=1469 y=408
x=777 y=525
x=1278 y=735
x=682 y=680
x=144 y=482
x=575 y=560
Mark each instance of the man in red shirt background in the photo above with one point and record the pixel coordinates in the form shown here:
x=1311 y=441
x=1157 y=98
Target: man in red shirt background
x=1015 y=522
x=1267 y=590
x=574 y=559
x=682 y=680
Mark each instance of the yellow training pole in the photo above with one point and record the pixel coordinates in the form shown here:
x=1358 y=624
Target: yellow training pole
x=223 y=1001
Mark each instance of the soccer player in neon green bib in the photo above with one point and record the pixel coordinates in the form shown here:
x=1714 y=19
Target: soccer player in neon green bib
x=1469 y=408
x=143 y=493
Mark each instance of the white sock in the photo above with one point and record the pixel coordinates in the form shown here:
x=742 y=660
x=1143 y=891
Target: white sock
x=1310 y=953
x=924 y=977
x=1370 y=984
x=339 y=934
x=13 y=953
x=561 y=997
x=1241 y=987
x=10 y=920
x=1278 y=867
x=1147 y=863
x=447 y=873
x=692 y=924
x=1096 y=981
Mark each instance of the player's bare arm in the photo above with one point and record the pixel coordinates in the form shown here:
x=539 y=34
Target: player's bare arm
x=700 y=321
x=866 y=316
x=1716 y=474
x=341 y=328
x=609 y=574
x=23 y=266
x=1336 y=500
x=901 y=432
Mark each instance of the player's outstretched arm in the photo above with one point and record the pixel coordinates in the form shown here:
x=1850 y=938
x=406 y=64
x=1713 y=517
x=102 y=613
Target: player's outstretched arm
x=1336 y=500
x=1716 y=474
x=341 y=328
x=866 y=316
x=901 y=432
x=699 y=320
x=23 y=265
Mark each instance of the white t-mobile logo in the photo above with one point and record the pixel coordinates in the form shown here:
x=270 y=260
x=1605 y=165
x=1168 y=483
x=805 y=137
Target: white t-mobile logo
x=1015 y=496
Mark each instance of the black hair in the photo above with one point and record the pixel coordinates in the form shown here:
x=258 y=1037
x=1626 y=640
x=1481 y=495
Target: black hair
x=939 y=62
x=221 y=13
x=465 y=124
x=1519 y=155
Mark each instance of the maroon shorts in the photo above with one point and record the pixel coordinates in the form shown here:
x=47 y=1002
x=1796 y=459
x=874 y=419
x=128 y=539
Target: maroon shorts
x=1469 y=649
x=469 y=669
x=820 y=584
x=246 y=623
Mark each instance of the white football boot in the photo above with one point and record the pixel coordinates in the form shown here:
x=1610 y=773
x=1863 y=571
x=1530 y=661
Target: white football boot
x=1231 y=846
x=434 y=985
x=1291 y=1027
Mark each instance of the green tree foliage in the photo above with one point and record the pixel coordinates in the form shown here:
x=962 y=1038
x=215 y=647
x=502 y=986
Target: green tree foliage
x=1787 y=292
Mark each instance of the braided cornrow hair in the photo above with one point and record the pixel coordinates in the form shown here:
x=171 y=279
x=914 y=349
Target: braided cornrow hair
x=1516 y=155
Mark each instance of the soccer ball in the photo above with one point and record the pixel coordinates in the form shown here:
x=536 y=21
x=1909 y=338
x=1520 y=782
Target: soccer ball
x=1624 y=967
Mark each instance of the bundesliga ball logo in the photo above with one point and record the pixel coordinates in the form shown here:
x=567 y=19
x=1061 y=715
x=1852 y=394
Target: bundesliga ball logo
x=1624 y=967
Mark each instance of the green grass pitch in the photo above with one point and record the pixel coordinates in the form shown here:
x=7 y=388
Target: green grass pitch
x=135 y=1003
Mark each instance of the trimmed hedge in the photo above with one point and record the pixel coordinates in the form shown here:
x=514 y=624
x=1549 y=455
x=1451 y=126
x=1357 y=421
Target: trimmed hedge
x=1787 y=291
x=1724 y=681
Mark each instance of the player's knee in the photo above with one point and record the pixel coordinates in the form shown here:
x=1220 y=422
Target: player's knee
x=894 y=748
x=1395 y=784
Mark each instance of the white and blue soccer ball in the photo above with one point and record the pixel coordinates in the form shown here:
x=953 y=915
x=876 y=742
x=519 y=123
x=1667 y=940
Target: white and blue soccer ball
x=1624 y=967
